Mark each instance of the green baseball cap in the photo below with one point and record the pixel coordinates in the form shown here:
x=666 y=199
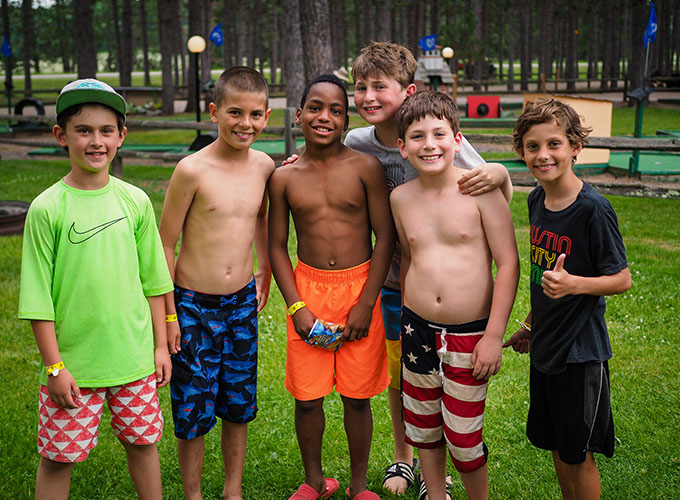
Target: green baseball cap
x=90 y=90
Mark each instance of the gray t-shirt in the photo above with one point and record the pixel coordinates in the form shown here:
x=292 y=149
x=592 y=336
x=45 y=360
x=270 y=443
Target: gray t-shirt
x=399 y=170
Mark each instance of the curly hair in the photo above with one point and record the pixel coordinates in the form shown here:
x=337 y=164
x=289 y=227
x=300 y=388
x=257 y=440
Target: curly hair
x=546 y=110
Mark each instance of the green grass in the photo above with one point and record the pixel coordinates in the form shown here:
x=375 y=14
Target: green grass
x=644 y=328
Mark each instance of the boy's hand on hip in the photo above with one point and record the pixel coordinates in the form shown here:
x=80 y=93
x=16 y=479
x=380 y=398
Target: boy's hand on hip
x=303 y=320
x=63 y=390
x=358 y=322
x=558 y=282
x=174 y=337
x=163 y=366
x=520 y=341
x=486 y=358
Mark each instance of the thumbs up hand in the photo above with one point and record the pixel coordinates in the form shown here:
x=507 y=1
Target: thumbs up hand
x=558 y=282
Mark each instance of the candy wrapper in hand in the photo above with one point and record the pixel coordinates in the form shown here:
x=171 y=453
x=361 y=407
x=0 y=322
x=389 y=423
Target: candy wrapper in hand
x=326 y=335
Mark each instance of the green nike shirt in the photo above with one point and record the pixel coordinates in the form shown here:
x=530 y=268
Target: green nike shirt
x=90 y=259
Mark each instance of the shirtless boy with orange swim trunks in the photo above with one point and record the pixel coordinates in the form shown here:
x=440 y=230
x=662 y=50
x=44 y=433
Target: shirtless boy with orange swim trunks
x=338 y=198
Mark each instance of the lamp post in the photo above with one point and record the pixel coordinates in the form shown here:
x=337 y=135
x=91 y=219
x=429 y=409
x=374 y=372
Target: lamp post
x=447 y=54
x=196 y=45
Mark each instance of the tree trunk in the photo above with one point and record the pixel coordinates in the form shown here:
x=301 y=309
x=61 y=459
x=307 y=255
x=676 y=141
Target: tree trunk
x=639 y=17
x=295 y=67
x=27 y=29
x=116 y=36
x=477 y=46
x=512 y=27
x=524 y=43
x=228 y=28
x=166 y=44
x=143 y=26
x=593 y=41
x=547 y=37
x=383 y=24
x=571 y=63
x=316 y=43
x=126 y=45
x=86 y=54
x=358 y=36
x=501 y=33
x=274 y=41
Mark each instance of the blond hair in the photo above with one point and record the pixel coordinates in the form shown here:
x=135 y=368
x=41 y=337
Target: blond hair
x=390 y=59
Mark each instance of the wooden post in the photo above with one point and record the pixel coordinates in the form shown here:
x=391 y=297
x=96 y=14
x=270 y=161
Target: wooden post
x=542 y=83
x=454 y=88
x=117 y=166
x=557 y=76
x=289 y=140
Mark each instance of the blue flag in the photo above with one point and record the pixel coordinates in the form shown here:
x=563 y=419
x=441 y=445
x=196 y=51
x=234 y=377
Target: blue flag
x=428 y=42
x=216 y=34
x=6 y=47
x=650 y=32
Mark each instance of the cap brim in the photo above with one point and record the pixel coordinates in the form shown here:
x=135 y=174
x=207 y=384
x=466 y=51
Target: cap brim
x=81 y=96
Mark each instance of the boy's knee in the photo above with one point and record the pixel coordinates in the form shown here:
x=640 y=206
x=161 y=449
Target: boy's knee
x=308 y=406
x=356 y=405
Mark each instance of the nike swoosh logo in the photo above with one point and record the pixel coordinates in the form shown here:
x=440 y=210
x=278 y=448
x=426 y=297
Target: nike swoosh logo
x=76 y=237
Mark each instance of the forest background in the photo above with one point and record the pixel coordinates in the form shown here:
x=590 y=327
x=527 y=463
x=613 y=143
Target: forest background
x=289 y=41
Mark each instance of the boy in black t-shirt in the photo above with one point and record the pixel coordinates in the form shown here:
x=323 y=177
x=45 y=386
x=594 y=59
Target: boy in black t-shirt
x=577 y=257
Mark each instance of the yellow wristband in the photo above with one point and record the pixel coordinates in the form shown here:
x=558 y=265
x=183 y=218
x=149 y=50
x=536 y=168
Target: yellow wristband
x=169 y=318
x=54 y=369
x=525 y=325
x=295 y=307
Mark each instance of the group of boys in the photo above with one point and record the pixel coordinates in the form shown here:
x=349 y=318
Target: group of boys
x=424 y=318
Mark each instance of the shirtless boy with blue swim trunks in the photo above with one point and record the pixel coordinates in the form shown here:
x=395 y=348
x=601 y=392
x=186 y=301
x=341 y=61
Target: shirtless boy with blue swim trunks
x=217 y=200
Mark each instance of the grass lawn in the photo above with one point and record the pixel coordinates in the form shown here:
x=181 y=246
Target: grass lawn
x=644 y=328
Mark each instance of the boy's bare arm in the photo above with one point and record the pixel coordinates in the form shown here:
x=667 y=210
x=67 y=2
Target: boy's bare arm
x=263 y=275
x=278 y=227
x=485 y=178
x=397 y=204
x=160 y=341
x=500 y=235
x=63 y=389
x=559 y=283
x=178 y=199
x=380 y=217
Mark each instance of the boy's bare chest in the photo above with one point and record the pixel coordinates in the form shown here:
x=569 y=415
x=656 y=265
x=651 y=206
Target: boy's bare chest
x=443 y=222
x=222 y=194
x=331 y=193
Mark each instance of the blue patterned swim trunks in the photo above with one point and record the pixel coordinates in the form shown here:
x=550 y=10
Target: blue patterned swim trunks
x=215 y=373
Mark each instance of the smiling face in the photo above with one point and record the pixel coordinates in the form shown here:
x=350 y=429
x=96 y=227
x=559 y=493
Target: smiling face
x=378 y=97
x=430 y=144
x=324 y=115
x=240 y=117
x=547 y=152
x=93 y=138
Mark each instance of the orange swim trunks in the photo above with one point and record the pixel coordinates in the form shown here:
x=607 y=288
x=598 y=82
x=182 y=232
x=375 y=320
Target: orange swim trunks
x=358 y=369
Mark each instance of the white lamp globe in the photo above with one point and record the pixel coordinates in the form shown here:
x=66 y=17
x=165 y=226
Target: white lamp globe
x=196 y=44
x=447 y=52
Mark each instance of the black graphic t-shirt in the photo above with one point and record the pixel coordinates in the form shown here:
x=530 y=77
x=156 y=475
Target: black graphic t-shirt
x=571 y=329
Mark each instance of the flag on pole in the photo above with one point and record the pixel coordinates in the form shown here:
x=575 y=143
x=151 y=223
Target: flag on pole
x=428 y=42
x=650 y=32
x=6 y=47
x=216 y=35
